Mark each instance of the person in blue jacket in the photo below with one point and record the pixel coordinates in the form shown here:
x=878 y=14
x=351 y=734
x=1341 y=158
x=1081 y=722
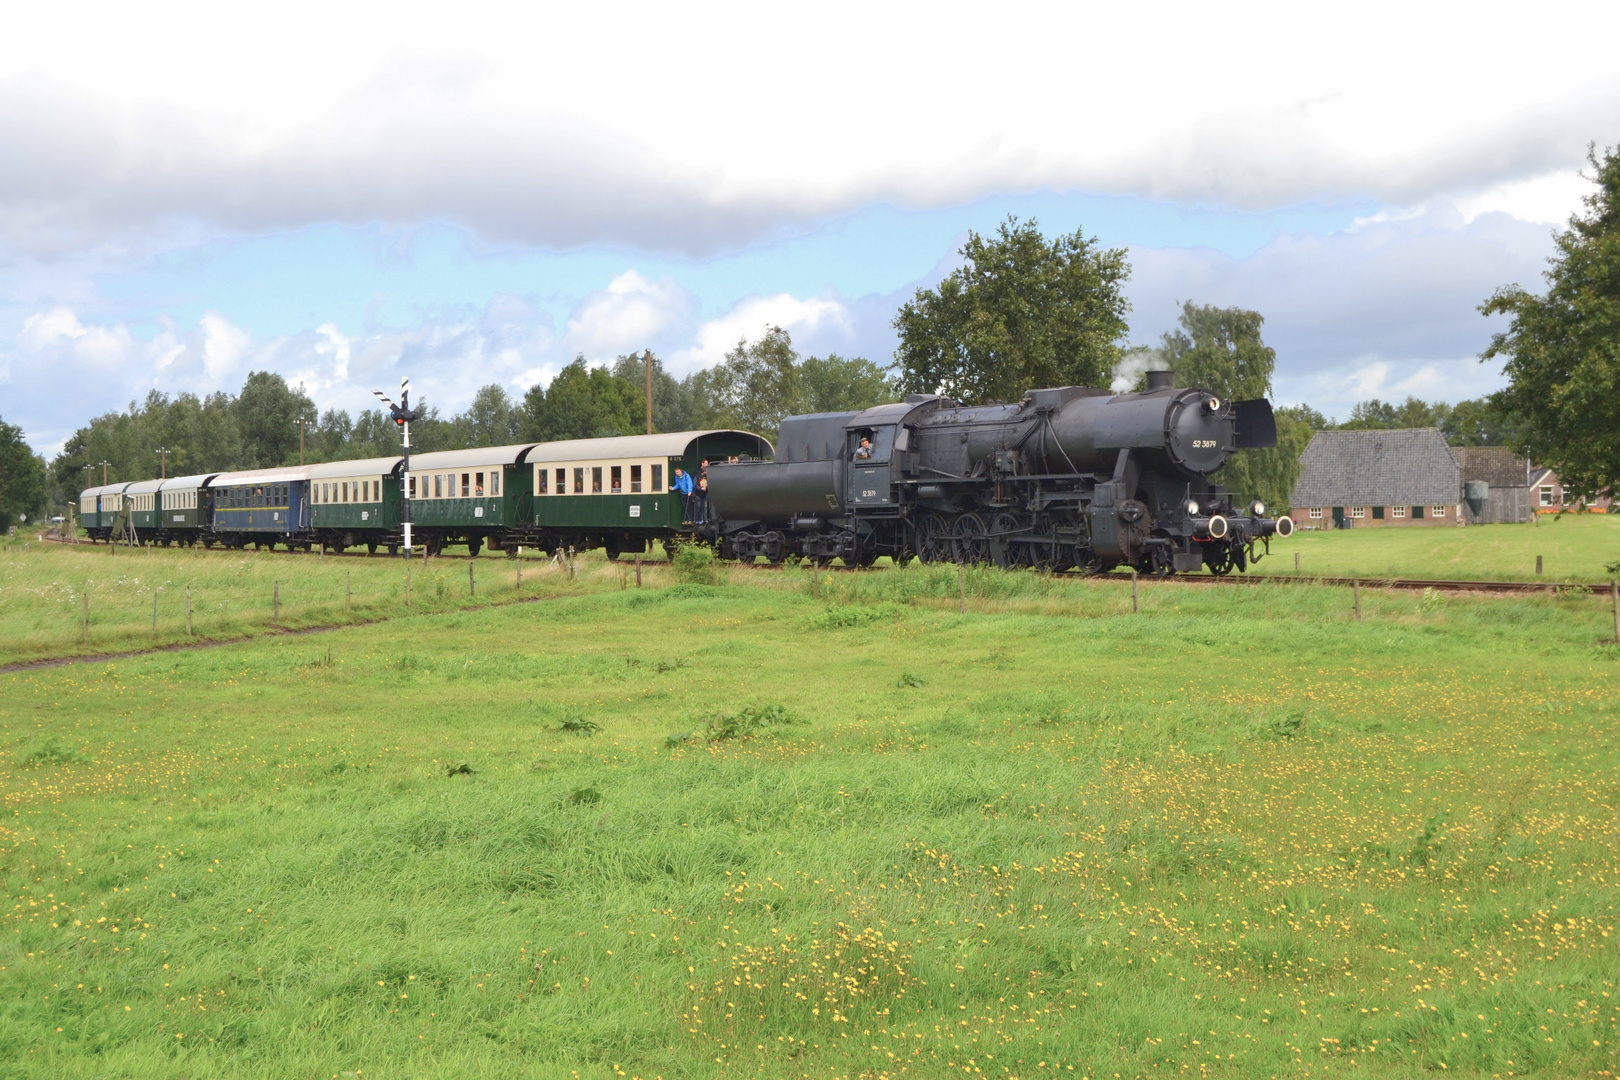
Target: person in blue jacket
x=683 y=483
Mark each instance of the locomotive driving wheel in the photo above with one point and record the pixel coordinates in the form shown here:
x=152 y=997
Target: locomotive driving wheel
x=933 y=538
x=1006 y=552
x=970 y=541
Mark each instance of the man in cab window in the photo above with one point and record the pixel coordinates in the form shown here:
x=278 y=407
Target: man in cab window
x=863 y=451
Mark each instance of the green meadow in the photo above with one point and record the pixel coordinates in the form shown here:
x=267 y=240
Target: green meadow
x=1573 y=547
x=876 y=825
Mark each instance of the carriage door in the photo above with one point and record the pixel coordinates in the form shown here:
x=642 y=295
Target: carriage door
x=869 y=466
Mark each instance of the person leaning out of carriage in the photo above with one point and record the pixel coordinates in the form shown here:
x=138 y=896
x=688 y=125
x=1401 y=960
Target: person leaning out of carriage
x=682 y=483
x=863 y=451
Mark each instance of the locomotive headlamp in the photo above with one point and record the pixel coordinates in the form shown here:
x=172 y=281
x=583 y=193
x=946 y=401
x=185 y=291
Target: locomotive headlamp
x=1192 y=507
x=1213 y=404
x=1258 y=509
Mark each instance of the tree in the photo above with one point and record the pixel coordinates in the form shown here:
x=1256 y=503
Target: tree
x=22 y=477
x=582 y=402
x=673 y=406
x=843 y=384
x=1562 y=350
x=754 y=387
x=491 y=419
x=1020 y=313
x=1221 y=350
x=267 y=412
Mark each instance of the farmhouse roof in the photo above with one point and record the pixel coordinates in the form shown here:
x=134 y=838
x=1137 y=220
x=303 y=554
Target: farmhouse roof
x=1390 y=467
x=1496 y=465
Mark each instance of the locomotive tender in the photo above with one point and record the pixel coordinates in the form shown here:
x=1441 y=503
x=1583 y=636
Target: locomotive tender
x=1067 y=477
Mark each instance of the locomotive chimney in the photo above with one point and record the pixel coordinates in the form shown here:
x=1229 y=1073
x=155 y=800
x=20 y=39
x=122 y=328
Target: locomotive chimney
x=1161 y=380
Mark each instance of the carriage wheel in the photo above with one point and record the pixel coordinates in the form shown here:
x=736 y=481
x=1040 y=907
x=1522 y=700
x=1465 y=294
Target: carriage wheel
x=1218 y=557
x=970 y=545
x=933 y=538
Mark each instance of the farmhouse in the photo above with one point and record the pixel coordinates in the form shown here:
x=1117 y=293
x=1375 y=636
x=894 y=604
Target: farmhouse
x=1354 y=479
x=1547 y=496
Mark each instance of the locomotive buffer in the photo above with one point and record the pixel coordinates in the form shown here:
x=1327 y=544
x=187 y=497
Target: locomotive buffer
x=402 y=415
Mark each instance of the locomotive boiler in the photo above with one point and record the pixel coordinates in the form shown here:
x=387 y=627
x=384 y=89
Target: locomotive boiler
x=1067 y=477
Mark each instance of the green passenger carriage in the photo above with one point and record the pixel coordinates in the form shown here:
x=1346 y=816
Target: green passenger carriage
x=354 y=503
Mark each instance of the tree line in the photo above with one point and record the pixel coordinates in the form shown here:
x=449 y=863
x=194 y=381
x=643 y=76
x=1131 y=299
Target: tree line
x=1021 y=311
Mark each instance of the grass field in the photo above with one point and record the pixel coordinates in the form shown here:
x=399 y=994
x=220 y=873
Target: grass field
x=743 y=831
x=1573 y=548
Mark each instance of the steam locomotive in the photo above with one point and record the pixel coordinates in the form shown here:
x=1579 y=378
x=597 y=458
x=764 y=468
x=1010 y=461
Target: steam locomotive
x=1067 y=477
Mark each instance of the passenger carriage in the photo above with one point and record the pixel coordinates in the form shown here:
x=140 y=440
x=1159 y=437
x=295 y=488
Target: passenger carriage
x=182 y=509
x=356 y=502
x=263 y=507
x=615 y=493
x=141 y=505
x=100 y=509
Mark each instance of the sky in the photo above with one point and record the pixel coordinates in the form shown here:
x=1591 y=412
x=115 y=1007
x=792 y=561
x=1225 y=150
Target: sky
x=348 y=194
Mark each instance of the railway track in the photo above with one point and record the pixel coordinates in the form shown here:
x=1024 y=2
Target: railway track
x=1419 y=584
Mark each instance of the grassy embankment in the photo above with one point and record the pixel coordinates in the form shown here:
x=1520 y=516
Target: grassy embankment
x=1238 y=834
x=43 y=589
x=1573 y=548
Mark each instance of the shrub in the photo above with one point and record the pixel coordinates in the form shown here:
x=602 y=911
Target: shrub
x=839 y=618
x=695 y=564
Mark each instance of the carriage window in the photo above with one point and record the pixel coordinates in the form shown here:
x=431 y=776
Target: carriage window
x=617 y=476
x=635 y=478
x=478 y=488
x=466 y=484
x=413 y=487
x=579 y=481
x=541 y=476
x=596 y=480
x=658 y=478
x=494 y=483
x=562 y=482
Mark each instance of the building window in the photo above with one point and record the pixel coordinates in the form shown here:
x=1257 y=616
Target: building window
x=1547 y=496
x=616 y=475
x=596 y=480
x=658 y=478
x=1316 y=513
x=579 y=481
x=1417 y=513
x=1397 y=511
x=1358 y=511
x=1438 y=511
x=1378 y=513
x=635 y=479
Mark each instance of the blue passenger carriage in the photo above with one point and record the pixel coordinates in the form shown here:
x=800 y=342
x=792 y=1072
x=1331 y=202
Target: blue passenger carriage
x=263 y=507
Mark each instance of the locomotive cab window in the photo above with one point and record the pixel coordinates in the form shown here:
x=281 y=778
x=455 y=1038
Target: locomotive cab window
x=879 y=443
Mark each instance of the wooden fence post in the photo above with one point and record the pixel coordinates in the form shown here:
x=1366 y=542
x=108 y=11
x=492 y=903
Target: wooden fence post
x=275 y=604
x=961 y=589
x=1614 y=598
x=1538 y=566
x=1296 y=562
x=472 y=586
x=1355 y=587
x=348 y=593
x=84 y=620
x=154 y=611
x=638 y=569
x=1135 y=603
x=407 y=582
x=188 y=611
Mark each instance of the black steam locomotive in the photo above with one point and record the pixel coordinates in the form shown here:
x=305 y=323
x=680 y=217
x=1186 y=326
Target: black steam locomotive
x=1068 y=477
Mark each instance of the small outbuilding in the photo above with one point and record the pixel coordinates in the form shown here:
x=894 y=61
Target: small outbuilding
x=1506 y=477
x=1355 y=479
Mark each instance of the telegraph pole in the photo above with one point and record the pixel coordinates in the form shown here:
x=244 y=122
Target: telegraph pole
x=402 y=415
x=302 y=420
x=163 y=463
x=104 y=465
x=648 y=358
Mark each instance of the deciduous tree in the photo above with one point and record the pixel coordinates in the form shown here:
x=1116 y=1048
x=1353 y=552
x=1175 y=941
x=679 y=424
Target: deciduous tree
x=1021 y=312
x=1562 y=349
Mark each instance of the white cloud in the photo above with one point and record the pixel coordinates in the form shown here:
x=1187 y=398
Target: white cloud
x=807 y=320
x=131 y=119
x=59 y=332
x=631 y=312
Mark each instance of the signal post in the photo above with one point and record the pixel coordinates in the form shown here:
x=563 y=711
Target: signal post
x=402 y=415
